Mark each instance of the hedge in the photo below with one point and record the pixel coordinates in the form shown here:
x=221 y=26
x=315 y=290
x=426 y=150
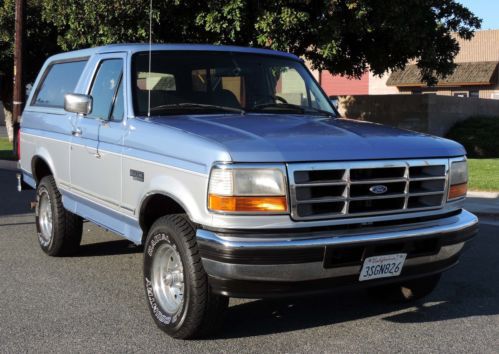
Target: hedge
x=479 y=135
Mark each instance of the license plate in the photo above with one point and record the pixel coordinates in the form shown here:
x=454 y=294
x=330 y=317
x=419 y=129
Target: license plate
x=382 y=266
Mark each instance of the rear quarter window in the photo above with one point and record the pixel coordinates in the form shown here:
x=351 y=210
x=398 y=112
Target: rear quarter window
x=59 y=78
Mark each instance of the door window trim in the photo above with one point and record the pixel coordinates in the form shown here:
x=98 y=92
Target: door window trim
x=113 y=101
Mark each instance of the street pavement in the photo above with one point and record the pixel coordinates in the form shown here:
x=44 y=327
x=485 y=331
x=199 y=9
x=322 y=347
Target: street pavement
x=484 y=204
x=95 y=302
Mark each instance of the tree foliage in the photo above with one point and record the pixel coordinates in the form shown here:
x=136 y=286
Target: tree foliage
x=349 y=36
x=40 y=42
x=343 y=36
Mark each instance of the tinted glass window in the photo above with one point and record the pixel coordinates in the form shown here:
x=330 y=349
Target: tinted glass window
x=212 y=82
x=61 y=78
x=105 y=87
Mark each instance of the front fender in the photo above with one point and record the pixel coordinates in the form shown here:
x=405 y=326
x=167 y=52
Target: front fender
x=186 y=188
x=41 y=153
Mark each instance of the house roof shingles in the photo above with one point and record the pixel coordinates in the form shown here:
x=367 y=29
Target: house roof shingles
x=471 y=73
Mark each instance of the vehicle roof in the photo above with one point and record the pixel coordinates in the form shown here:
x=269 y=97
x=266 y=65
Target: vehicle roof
x=141 y=47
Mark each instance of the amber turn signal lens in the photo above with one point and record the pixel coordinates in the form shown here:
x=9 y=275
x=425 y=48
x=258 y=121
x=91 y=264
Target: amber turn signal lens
x=458 y=190
x=247 y=204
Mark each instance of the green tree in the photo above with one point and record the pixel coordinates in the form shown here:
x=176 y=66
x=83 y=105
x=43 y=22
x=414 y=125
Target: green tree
x=349 y=36
x=40 y=42
x=343 y=36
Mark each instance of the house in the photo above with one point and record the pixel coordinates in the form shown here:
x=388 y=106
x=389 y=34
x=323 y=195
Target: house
x=476 y=75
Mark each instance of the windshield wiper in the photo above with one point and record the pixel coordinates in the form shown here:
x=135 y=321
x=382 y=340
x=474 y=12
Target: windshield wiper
x=187 y=105
x=289 y=106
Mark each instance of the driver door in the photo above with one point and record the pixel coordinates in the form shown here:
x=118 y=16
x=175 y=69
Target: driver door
x=96 y=149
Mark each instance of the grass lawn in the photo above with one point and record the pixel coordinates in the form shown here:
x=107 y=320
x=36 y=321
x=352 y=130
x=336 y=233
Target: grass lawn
x=483 y=174
x=5 y=149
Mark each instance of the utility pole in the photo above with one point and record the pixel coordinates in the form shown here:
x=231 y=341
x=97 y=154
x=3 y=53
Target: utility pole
x=19 y=90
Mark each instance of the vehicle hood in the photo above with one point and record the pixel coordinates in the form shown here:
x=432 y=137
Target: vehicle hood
x=298 y=138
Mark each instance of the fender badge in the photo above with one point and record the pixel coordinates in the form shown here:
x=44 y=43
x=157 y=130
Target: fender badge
x=137 y=175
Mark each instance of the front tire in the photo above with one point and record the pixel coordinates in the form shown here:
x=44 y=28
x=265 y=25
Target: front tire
x=177 y=290
x=407 y=291
x=59 y=231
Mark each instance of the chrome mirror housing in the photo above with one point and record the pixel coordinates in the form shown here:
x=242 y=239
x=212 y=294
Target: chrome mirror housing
x=78 y=103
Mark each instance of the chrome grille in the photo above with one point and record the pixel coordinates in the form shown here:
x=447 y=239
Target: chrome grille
x=349 y=189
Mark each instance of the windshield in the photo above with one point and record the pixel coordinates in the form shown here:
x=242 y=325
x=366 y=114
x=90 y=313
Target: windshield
x=213 y=82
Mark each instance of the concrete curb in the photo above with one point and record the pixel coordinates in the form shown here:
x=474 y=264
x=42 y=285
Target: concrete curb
x=480 y=194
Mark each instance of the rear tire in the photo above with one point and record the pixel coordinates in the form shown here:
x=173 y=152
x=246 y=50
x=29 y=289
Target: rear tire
x=410 y=290
x=59 y=231
x=177 y=289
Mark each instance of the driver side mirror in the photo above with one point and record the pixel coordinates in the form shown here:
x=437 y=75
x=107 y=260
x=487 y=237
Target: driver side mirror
x=78 y=103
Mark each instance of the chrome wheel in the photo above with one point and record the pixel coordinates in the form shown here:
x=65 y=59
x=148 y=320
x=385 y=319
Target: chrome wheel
x=45 y=217
x=167 y=276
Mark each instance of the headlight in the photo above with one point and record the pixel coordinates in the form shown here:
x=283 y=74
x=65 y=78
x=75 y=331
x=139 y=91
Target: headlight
x=247 y=189
x=458 y=180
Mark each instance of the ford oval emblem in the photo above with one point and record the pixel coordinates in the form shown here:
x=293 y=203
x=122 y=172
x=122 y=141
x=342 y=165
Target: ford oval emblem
x=378 y=189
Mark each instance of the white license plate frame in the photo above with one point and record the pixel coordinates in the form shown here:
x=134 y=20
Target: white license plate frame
x=386 y=266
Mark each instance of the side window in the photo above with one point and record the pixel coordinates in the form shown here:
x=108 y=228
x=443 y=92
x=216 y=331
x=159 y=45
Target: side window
x=60 y=78
x=105 y=88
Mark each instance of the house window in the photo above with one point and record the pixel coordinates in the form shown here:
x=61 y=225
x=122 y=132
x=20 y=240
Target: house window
x=474 y=94
x=460 y=94
x=495 y=96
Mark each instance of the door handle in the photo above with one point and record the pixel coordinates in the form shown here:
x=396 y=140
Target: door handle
x=76 y=132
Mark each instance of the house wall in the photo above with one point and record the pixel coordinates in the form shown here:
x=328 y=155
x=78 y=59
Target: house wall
x=335 y=85
x=483 y=47
x=377 y=85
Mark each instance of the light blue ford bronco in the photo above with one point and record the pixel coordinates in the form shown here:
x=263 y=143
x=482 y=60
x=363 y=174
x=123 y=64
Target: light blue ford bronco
x=233 y=169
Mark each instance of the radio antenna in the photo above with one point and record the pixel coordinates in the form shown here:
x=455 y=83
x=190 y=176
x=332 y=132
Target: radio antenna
x=149 y=73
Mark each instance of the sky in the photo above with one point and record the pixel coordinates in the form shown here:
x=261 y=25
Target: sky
x=487 y=10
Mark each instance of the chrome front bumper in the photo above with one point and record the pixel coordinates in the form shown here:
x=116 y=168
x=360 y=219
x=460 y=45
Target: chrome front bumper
x=299 y=257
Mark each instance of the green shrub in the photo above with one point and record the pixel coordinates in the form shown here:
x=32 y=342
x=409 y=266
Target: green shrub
x=479 y=135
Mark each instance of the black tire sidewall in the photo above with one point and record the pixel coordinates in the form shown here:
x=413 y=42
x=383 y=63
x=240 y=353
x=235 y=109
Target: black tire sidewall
x=158 y=235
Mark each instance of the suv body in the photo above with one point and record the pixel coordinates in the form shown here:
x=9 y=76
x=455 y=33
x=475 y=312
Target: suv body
x=278 y=195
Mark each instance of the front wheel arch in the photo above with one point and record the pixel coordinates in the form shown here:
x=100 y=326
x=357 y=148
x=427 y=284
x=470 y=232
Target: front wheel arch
x=155 y=206
x=40 y=168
